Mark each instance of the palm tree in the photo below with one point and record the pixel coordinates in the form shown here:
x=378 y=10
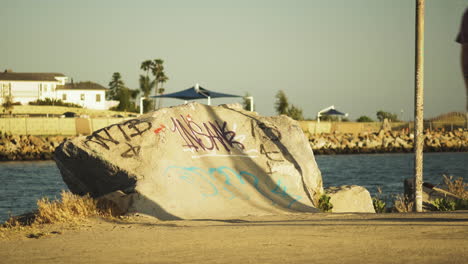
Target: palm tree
x=146 y=66
x=157 y=68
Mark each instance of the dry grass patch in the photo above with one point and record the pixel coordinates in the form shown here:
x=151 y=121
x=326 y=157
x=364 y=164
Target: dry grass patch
x=457 y=186
x=403 y=204
x=70 y=208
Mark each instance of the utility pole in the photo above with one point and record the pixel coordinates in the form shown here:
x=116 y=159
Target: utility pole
x=418 y=105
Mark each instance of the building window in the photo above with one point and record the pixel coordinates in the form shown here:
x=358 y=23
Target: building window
x=82 y=97
x=64 y=97
x=45 y=87
x=6 y=89
x=98 y=98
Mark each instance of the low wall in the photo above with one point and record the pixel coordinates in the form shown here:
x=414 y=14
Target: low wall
x=42 y=126
x=54 y=125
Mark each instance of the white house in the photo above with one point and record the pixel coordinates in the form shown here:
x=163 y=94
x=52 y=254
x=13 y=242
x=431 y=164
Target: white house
x=27 y=87
x=87 y=94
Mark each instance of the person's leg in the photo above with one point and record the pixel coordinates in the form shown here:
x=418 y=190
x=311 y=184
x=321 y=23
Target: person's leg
x=464 y=65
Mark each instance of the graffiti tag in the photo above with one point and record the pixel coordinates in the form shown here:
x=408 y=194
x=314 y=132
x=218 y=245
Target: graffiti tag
x=128 y=130
x=206 y=136
x=234 y=183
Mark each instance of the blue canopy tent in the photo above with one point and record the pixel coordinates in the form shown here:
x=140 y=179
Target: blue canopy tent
x=333 y=112
x=198 y=92
x=330 y=111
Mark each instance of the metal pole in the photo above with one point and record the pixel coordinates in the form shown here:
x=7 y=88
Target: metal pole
x=141 y=104
x=418 y=105
x=251 y=101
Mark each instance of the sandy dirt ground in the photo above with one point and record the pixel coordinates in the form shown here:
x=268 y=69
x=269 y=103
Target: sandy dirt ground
x=299 y=238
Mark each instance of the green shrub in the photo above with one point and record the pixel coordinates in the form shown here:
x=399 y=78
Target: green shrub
x=378 y=203
x=364 y=119
x=324 y=203
x=55 y=102
x=442 y=204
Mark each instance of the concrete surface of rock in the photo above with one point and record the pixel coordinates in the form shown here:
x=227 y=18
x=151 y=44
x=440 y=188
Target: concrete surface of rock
x=350 y=198
x=197 y=161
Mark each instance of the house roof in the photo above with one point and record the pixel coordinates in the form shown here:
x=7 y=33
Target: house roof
x=30 y=76
x=81 y=86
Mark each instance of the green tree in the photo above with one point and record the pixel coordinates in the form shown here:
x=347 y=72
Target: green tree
x=282 y=107
x=146 y=66
x=115 y=85
x=125 y=95
x=364 y=119
x=126 y=99
x=281 y=104
x=295 y=113
x=381 y=115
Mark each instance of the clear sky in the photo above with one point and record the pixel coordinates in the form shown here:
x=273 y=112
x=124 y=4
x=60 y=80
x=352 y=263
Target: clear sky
x=355 y=54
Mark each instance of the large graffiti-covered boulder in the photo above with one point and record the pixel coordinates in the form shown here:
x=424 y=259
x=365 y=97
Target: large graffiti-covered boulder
x=196 y=161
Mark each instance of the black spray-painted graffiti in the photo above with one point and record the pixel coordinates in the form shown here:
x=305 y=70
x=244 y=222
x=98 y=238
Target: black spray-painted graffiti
x=128 y=129
x=269 y=147
x=205 y=136
x=269 y=132
x=234 y=184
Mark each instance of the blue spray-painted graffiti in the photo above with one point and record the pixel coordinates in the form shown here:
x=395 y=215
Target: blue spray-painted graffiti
x=234 y=183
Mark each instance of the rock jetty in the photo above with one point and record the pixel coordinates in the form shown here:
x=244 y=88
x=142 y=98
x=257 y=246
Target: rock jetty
x=28 y=147
x=388 y=141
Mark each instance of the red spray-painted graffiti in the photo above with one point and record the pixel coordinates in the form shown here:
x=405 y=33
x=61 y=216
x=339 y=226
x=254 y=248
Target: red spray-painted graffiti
x=159 y=129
